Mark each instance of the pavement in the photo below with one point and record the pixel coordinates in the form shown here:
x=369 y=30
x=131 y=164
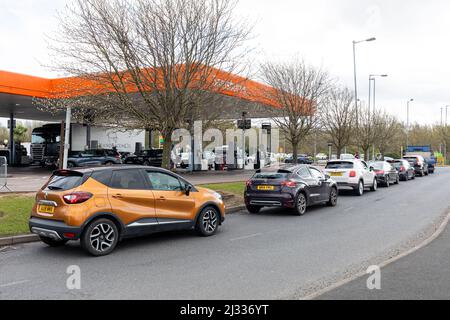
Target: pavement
x=31 y=179
x=271 y=255
x=422 y=275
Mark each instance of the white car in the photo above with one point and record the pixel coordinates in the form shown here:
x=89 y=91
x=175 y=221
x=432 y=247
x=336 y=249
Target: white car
x=352 y=174
x=321 y=156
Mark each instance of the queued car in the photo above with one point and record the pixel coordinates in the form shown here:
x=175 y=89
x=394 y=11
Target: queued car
x=386 y=173
x=301 y=159
x=90 y=158
x=290 y=186
x=419 y=164
x=101 y=206
x=431 y=165
x=352 y=174
x=152 y=157
x=404 y=168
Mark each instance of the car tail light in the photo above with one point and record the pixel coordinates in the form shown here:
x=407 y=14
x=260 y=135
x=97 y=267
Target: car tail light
x=77 y=197
x=402 y=169
x=69 y=235
x=289 y=184
x=249 y=183
x=379 y=172
x=352 y=174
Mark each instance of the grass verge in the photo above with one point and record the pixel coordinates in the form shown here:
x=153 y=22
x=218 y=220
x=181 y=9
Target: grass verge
x=236 y=188
x=14 y=214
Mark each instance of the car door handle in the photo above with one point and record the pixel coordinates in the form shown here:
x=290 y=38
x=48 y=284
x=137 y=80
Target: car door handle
x=117 y=196
x=162 y=199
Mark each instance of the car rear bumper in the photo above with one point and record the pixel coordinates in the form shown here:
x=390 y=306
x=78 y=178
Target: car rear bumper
x=56 y=230
x=270 y=200
x=349 y=185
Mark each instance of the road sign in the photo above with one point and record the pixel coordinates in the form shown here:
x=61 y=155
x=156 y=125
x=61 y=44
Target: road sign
x=247 y=125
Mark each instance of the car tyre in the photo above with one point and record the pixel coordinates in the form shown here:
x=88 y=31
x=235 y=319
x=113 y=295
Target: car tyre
x=207 y=222
x=253 y=209
x=360 y=189
x=100 y=237
x=301 y=204
x=374 y=185
x=52 y=242
x=333 y=197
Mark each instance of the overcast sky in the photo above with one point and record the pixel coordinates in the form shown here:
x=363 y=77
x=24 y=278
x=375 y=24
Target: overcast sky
x=412 y=44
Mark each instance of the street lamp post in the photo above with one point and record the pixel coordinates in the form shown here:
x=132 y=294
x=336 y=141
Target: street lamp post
x=355 y=78
x=407 y=121
x=373 y=77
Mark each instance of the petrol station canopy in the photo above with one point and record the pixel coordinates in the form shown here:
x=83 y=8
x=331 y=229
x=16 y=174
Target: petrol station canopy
x=17 y=93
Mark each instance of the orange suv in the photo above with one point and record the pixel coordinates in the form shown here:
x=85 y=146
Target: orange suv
x=102 y=206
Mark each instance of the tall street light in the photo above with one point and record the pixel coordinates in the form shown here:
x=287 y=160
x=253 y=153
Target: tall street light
x=355 y=76
x=407 y=121
x=373 y=77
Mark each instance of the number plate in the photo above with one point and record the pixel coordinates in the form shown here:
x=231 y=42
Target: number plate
x=336 y=174
x=46 y=209
x=266 y=188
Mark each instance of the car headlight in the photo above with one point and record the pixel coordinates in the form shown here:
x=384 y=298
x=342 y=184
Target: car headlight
x=217 y=195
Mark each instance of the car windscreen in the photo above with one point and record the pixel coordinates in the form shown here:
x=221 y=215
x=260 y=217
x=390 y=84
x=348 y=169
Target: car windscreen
x=271 y=175
x=65 y=181
x=340 y=165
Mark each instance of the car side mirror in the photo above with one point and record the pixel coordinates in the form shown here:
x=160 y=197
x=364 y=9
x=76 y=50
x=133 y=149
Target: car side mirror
x=371 y=169
x=327 y=177
x=188 y=190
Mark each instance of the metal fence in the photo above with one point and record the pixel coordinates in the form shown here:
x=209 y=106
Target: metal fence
x=4 y=174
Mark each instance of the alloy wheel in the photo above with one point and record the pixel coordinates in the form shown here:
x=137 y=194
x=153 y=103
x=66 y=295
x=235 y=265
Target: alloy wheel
x=301 y=204
x=210 y=221
x=102 y=237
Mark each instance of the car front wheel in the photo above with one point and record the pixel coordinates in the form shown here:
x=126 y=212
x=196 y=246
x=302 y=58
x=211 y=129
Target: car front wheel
x=301 y=204
x=333 y=198
x=208 y=222
x=100 y=238
x=360 y=189
x=374 y=185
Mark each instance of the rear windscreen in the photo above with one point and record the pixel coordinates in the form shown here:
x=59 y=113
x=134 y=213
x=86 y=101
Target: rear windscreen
x=271 y=175
x=340 y=165
x=65 y=182
x=377 y=165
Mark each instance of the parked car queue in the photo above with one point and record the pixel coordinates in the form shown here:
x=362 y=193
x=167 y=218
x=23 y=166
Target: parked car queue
x=103 y=205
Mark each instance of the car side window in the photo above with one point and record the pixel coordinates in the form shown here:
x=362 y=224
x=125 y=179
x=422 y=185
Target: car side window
x=163 y=182
x=128 y=179
x=303 y=173
x=364 y=165
x=316 y=173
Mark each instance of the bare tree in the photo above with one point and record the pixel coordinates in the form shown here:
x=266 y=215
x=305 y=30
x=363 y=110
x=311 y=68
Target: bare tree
x=339 y=118
x=298 y=90
x=367 y=133
x=388 y=130
x=147 y=63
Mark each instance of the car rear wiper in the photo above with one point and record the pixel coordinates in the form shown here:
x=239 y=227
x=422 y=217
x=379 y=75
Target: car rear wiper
x=54 y=188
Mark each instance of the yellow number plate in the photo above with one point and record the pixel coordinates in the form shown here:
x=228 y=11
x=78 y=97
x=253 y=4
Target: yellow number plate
x=266 y=188
x=46 y=209
x=336 y=174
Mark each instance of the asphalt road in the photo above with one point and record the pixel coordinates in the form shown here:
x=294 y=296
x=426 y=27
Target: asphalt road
x=273 y=255
x=422 y=275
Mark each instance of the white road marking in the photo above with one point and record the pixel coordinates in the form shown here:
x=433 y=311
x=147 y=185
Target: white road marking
x=247 y=237
x=11 y=284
